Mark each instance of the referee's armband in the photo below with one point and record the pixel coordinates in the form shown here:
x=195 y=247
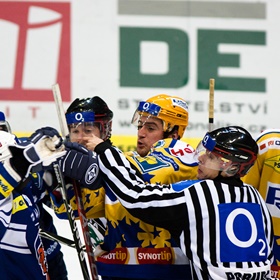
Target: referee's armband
x=180 y=186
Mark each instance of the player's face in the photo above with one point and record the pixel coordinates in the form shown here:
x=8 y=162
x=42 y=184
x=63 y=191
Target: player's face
x=82 y=131
x=150 y=130
x=209 y=166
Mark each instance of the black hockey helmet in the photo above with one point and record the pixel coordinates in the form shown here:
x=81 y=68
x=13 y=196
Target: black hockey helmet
x=233 y=143
x=91 y=110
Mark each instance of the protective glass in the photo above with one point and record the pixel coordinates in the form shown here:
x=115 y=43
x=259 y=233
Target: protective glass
x=147 y=110
x=210 y=159
x=84 y=129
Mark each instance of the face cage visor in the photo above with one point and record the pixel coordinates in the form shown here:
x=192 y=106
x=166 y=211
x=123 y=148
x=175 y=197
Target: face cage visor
x=4 y=126
x=148 y=110
x=205 y=155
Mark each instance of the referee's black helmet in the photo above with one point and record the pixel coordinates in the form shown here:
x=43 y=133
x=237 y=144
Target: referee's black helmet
x=235 y=144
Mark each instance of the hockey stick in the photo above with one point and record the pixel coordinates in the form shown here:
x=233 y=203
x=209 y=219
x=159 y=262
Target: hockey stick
x=55 y=237
x=77 y=191
x=60 y=179
x=211 y=103
x=72 y=222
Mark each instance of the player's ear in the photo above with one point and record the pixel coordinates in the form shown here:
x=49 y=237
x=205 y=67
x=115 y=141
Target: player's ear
x=233 y=169
x=175 y=134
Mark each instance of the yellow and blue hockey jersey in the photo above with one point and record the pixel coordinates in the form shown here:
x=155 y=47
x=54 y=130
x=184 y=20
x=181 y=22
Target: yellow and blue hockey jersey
x=132 y=248
x=265 y=176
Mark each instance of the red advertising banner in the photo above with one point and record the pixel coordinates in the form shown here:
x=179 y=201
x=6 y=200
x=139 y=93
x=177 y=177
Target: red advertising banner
x=34 y=50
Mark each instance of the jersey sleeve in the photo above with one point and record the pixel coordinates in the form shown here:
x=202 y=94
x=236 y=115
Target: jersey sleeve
x=152 y=203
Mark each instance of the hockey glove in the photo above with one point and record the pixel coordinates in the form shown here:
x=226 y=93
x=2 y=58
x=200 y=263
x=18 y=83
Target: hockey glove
x=82 y=165
x=51 y=136
x=49 y=145
x=38 y=154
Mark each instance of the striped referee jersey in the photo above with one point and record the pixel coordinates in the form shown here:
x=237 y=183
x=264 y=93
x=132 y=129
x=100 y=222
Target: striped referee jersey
x=223 y=225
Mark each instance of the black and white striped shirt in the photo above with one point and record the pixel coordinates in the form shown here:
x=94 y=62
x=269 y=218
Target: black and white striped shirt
x=224 y=226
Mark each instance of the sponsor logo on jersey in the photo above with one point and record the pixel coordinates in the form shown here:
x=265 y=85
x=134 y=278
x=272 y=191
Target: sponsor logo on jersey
x=51 y=248
x=5 y=187
x=155 y=255
x=269 y=143
x=242 y=233
x=273 y=201
x=18 y=204
x=275 y=271
x=91 y=174
x=273 y=162
x=248 y=276
x=116 y=256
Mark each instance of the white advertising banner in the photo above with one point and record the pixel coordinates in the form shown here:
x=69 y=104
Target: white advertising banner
x=129 y=50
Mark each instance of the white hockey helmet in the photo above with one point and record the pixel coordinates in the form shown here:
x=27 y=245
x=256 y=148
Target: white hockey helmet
x=6 y=139
x=4 y=125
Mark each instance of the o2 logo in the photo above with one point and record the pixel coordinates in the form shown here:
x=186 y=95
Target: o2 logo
x=242 y=236
x=79 y=117
x=36 y=51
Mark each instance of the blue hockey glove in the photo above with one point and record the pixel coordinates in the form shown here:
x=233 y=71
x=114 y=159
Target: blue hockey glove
x=82 y=165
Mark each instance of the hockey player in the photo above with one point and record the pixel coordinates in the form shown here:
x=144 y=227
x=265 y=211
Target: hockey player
x=265 y=176
x=161 y=116
x=164 y=119
x=21 y=250
x=86 y=117
x=56 y=265
x=224 y=225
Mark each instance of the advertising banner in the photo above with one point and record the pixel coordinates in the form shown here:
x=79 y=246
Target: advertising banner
x=125 y=51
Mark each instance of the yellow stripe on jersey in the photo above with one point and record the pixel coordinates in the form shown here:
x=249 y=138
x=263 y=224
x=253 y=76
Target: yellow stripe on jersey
x=5 y=187
x=18 y=204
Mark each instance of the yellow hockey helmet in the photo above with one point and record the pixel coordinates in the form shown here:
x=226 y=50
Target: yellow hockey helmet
x=172 y=110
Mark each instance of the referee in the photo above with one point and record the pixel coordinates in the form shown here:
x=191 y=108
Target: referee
x=223 y=225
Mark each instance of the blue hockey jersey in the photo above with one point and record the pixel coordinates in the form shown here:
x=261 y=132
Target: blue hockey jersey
x=21 y=250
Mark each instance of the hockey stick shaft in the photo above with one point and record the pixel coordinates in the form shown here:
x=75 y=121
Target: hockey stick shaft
x=211 y=104
x=55 y=237
x=72 y=222
x=60 y=111
x=85 y=230
x=77 y=191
